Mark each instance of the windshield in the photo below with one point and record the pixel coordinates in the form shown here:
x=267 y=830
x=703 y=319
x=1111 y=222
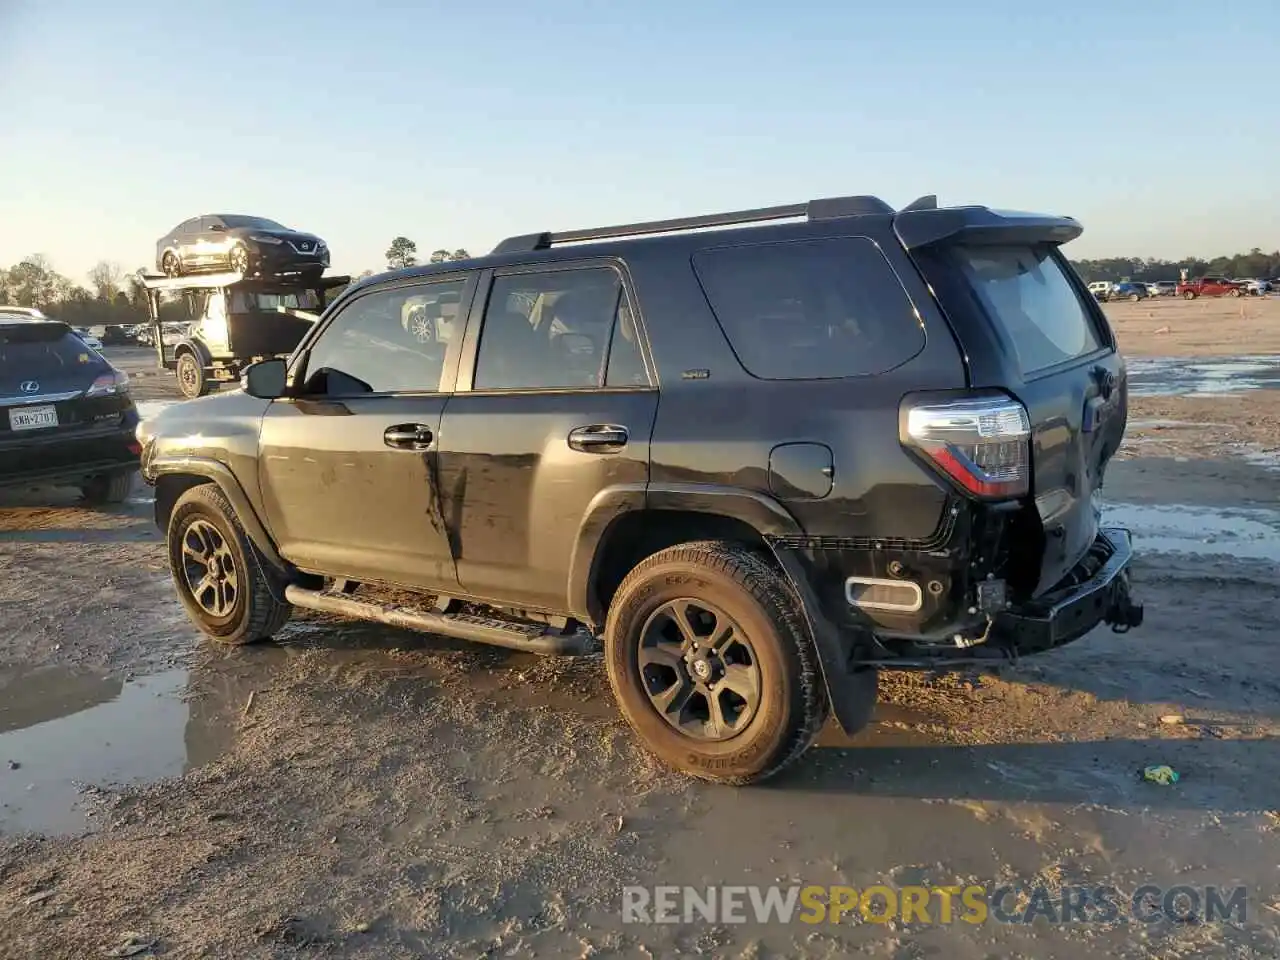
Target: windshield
x=1027 y=291
x=257 y=223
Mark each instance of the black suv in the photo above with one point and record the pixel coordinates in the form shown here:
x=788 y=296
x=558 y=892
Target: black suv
x=66 y=416
x=759 y=463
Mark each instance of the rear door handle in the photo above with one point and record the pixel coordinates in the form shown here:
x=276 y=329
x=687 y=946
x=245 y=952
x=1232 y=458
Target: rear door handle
x=408 y=436
x=599 y=438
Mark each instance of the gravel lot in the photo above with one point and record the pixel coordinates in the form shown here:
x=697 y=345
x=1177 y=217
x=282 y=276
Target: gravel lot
x=356 y=791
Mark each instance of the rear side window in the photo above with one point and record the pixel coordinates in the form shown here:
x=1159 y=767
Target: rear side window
x=34 y=351
x=1027 y=291
x=810 y=309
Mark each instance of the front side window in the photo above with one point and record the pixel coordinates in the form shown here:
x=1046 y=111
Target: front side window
x=810 y=309
x=559 y=329
x=254 y=223
x=377 y=344
x=1026 y=290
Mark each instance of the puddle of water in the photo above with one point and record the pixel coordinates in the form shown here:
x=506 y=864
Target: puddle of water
x=66 y=729
x=1247 y=533
x=1201 y=376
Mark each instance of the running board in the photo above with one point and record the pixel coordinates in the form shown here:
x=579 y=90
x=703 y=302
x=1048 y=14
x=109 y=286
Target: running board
x=533 y=637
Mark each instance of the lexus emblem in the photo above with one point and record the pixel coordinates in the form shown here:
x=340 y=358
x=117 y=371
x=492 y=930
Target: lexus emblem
x=29 y=386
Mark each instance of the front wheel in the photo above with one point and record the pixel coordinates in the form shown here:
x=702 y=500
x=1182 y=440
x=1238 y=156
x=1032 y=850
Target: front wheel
x=711 y=662
x=1237 y=292
x=220 y=579
x=1134 y=298
x=170 y=265
x=1189 y=295
x=192 y=381
x=239 y=259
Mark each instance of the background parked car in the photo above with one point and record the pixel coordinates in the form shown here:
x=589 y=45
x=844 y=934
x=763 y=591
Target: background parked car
x=231 y=241
x=1210 y=287
x=1100 y=289
x=1162 y=288
x=89 y=339
x=1256 y=288
x=1127 y=290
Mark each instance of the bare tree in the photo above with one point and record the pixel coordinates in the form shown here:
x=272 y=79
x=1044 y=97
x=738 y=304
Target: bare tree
x=104 y=279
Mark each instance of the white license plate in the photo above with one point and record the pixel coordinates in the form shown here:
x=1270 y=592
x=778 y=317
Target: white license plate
x=32 y=418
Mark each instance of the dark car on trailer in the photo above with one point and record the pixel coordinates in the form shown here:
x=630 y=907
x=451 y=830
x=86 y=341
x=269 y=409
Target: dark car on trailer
x=758 y=463
x=252 y=246
x=66 y=417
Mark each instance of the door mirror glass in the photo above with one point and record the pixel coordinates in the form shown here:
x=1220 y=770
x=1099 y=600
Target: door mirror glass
x=265 y=379
x=217 y=227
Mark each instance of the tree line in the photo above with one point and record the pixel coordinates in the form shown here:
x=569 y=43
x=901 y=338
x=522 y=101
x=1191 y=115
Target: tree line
x=1252 y=265
x=112 y=296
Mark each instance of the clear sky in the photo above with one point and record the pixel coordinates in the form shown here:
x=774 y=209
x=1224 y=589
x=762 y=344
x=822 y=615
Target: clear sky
x=459 y=123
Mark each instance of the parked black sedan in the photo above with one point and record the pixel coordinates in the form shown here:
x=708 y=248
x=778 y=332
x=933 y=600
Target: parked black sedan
x=66 y=417
x=253 y=246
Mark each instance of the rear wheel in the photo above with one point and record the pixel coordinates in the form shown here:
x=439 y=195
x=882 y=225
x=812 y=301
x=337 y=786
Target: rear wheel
x=1189 y=295
x=192 y=381
x=220 y=578
x=108 y=488
x=1134 y=297
x=1236 y=292
x=170 y=265
x=712 y=664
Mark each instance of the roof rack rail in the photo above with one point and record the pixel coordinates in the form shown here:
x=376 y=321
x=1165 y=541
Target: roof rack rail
x=828 y=208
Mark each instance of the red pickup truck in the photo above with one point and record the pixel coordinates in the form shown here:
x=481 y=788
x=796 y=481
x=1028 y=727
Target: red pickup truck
x=1210 y=287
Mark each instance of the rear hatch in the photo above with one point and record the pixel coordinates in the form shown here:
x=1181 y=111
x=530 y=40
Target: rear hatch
x=52 y=384
x=1029 y=328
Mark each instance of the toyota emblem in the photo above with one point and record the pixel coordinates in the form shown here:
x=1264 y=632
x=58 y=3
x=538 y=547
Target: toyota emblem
x=29 y=386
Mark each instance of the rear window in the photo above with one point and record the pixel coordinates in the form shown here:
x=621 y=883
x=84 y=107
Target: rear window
x=37 y=350
x=810 y=309
x=1027 y=291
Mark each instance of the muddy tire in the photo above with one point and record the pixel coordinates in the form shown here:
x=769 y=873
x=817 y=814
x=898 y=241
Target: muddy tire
x=712 y=664
x=192 y=381
x=219 y=576
x=108 y=488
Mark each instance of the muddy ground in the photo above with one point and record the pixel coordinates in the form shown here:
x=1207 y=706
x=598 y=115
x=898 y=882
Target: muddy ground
x=355 y=791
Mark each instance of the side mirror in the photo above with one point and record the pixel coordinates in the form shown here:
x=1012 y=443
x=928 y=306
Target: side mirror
x=266 y=379
x=217 y=227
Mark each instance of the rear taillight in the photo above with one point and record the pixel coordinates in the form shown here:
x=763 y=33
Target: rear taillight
x=982 y=444
x=106 y=384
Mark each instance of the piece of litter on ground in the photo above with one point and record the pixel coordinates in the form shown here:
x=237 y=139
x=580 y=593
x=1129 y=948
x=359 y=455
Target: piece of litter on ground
x=35 y=898
x=1196 y=693
x=248 y=704
x=1161 y=774
x=132 y=945
x=1172 y=718
x=14 y=765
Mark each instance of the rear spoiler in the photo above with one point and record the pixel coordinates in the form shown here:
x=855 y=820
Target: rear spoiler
x=39 y=328
x=981 y=225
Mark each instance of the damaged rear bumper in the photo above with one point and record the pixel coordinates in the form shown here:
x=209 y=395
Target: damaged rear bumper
x=1096 y=592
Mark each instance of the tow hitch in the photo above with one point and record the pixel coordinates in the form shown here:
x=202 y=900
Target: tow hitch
x=1124 y=613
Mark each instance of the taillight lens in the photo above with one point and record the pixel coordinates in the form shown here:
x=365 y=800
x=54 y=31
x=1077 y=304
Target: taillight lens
x=983 y=444
x=112 y=382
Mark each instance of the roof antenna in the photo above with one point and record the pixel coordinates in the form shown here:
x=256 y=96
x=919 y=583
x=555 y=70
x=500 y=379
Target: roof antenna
x=928 y=202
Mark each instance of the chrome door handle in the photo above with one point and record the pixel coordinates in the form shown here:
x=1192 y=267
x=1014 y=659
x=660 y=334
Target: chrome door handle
x=598 y=438
x=408 y=436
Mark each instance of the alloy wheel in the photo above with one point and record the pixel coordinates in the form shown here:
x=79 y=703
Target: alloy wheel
x=209 y=569
x=699 y=670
